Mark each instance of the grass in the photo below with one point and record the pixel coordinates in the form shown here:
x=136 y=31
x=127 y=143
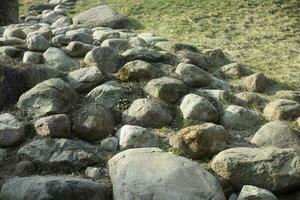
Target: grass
x=264 y=35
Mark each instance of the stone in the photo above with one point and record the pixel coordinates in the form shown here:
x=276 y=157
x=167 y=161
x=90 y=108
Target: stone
x=282 y=109
x=109 y=144
x=58 y=59
x=105 y=58
x=15 y=32
x=78 y=49
x=61 y=22
x=138 y=42
x=135 y=71
x=239 y=118
x=172 y=46
x=247 y=99
x=96 y=172
x=49 y=97
x=102 y=35
x=147 y=113
x=59 y=153
x=54 y=126
x=84 y=79
x=79 y=36
x=216 y=57
x=220 y=95
x=37 y=42
x=3 y=154
x=25 y=168
x=274 y=169
x=194 y=107
x=12 y=41
x=255 y=83
x=151 y=38
x=142 y=53
x=276 y=134
x=200 y=141
x=11 y=130
x=31 y=57
x=251 y=192
x=101 y=16
x=233 y=70
x=190 y=57
x=162 y=176
x=289 y=94
x=10 y=51
x=118 y=44
x=60 y=40
x=107 y=94
x=193 y=75
x=136 y=137
x=93 y=122
x=50 y=17
x=54 y=187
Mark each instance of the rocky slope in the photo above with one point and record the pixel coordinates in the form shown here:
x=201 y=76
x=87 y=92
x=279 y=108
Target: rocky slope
x=91 y=110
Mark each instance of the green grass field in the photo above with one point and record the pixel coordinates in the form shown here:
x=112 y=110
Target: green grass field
x=264 y=35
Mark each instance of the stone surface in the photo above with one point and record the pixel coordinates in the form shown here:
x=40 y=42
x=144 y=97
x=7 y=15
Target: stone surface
x=109 y=144
x=93 y=122
x=274 y=169
x=249 y=99
x=276 y=134
x=58 y=59
x=119 y=44
x=289 y=94
x=201 y=141
x=216 y=57
x=52 y=96
x=142 y=53
x=194 y=107
x=233 y=70
x=78 y=49
x=191 y=57
x=11 y=130
x=163 y=176
x=105 y=58
x=135 y=70
x=59 y=153
x=250 y=192
x=25 y=168
x=282 y=109
x=165 y=88
x=3 y=154
x=101 y=16
x=54 y=126
x=84 y=79
x=147 y=113
x=54 y=188
x=136 y=137
x=239 y=118
x=32 y=57
x=96 y=172
x=255 y=83
x=37 y=42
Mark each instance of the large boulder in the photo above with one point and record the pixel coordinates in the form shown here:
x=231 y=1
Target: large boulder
x=101 y=16
x=59 y=153
x=270 y=168
x=11 y=130
x=147 y=113
x=251 y=192
x=54 y=188
x=135 y=71
x=53 y=96
x=162 y=176
x=282 y=109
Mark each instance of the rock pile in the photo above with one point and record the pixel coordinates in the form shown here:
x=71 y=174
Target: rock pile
x=93 y=111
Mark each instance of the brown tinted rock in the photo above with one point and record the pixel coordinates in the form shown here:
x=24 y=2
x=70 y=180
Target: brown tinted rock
x=282 y=109
x=255 y=83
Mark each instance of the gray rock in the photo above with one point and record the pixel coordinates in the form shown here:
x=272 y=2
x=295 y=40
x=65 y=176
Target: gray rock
x=142 y=53
x=138 y=42
x=193 y=75
x=217 y=83
x=220 y=95
x=247 y=99
x=135 y=70
x=216 y=57
x=12 y=41
x=194 y=107
x=200 y=141
x=162 y=176
x=37 y=42
x=165 y=88
x=93 y=122
x=105 y=58
x=60 y=40
x=84 y=79
x=250 y=192
x=282 y=109
x=58 y=59
x=10 y=51
x=101 y=16
x=151 y=39
x=102 y=35
x=15 y=32
x=289 y=94
x=193 y=58
x=255 y=83
x=61 y=22
x=54 y=188
x=54 y=126
x=147 y=113
x=11 y=130
x=274 y=169
x=3 y=154
x=30 y=57
x=59 y=153
x=53 y=96
x=233 y=70
x=172 y=46
x=96 y=172
x=136 y=137
x=239 y=118
x=50 y=17
x=276 y=134
x=118 y=44
x=79 y=36
x=78 y=49
x=107 y=95
x=109 y=144
x=25 y=168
